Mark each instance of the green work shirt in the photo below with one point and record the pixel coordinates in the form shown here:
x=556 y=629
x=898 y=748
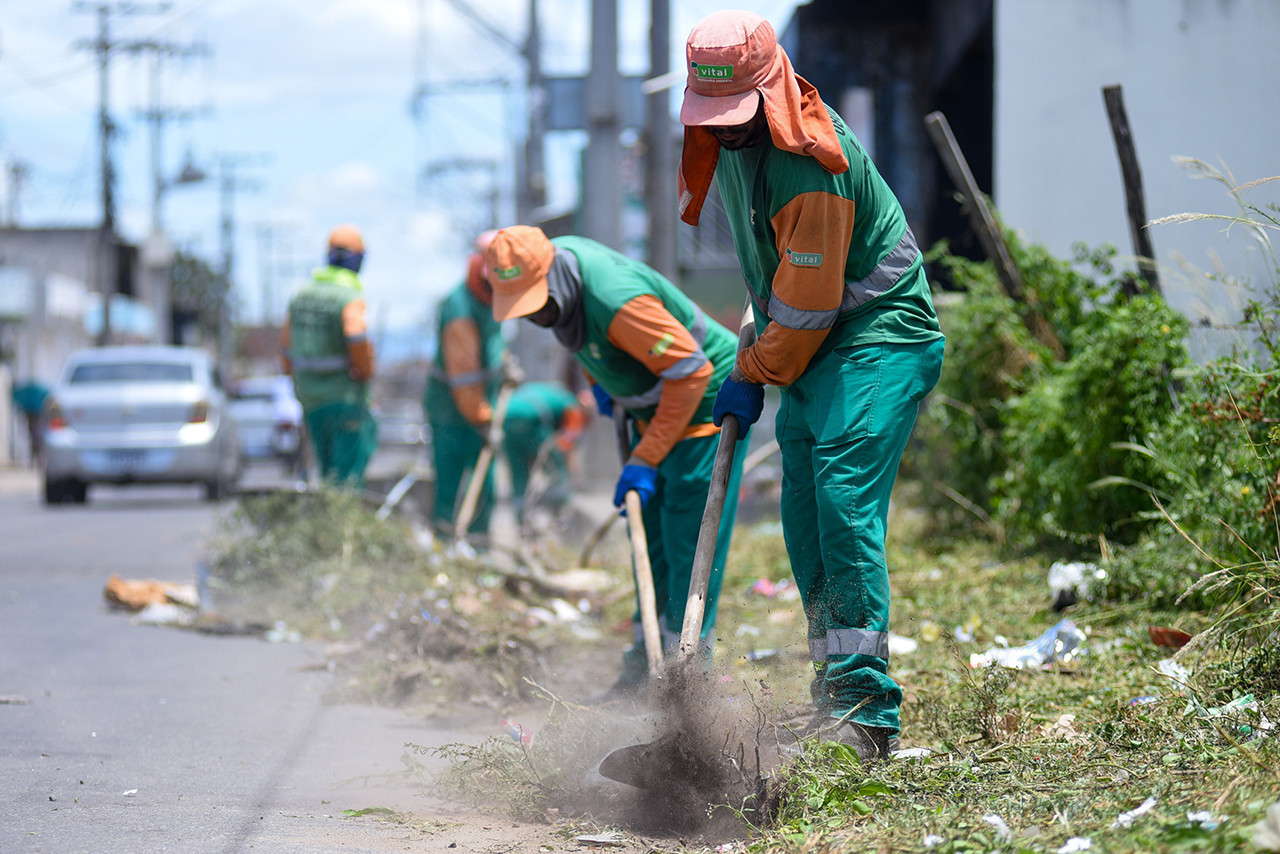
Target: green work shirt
x=609 y=281
x=318 y=343
x=887 y=297
x=437 y=401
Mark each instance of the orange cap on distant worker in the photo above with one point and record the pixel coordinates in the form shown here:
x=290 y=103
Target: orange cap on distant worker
x=516 y=263
x=346 y=236
x=476 y=281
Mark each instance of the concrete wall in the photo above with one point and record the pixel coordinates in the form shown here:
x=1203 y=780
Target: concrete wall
x=1201 y=78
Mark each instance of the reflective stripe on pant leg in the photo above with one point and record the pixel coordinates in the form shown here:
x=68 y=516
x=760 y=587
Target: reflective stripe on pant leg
x=858 y=642
x=869 y=398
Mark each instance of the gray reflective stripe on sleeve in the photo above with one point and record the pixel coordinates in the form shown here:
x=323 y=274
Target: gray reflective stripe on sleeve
x=469 y=378
x=880 y=280
x=319 y=363
x=686 y=366
x=691 y=364
x=356 y=339
x=640 y=401
x=858 y=642
x=472 y=377
x=698 y=329
x=797 y=318
x=885 y=275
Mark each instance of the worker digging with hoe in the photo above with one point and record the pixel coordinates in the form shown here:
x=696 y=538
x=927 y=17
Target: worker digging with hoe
x=461 y=390
x=845 y=328
x=648 y=348
x=541 y=430
x=325 y=346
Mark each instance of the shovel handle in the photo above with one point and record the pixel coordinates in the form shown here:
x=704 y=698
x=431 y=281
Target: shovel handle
x=705 y=552
x=644 y=583
x=472 y=496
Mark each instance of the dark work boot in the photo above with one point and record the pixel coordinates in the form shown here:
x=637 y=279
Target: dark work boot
x=871 y=743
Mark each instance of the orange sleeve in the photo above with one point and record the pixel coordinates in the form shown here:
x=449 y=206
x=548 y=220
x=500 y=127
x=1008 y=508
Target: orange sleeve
x=359 y=347
x=286 y=337
x=460 y=347
x=812 y=225
x=647 y=331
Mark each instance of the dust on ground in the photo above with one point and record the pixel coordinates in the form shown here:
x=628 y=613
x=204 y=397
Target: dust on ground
x=507 y=651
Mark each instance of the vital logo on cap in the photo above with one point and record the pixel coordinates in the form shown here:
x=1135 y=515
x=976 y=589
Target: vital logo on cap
x=712 y=72
x=506 y=274
x=805 y=259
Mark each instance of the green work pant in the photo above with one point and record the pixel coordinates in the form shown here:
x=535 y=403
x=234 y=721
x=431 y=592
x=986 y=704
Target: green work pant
x=842 y=428
x=344 y=437
x=672 y=519
x=522 y=439
x=455 y=447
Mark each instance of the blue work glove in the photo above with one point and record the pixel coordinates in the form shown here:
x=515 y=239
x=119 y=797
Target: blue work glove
x=740 y=399
x=603 y=402
x=640 y=477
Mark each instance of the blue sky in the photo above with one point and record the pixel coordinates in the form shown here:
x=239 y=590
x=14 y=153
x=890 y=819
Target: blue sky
x=309 y=102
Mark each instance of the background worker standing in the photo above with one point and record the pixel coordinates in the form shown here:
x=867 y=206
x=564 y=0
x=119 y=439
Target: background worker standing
x=461 y=389
x=542 y=419
x=29 y=397
x=845 y=327
x=648 y=348
x=326 y=348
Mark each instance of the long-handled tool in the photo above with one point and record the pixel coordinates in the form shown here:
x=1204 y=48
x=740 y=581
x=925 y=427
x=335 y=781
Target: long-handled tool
x=705 y=551
x=649 y=765
x=640 y=555
x=510 y=379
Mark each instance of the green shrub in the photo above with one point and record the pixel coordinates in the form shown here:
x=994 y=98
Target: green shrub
x=1024 y=441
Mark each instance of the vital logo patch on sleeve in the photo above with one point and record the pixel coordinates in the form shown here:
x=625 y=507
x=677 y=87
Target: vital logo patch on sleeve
x=805 y=259
x=663 y=345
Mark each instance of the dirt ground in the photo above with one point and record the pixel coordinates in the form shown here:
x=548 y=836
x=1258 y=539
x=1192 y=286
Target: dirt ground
x=488 y=653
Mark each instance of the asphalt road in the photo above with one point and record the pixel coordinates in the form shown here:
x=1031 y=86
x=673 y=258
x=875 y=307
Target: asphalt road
x=122 y=737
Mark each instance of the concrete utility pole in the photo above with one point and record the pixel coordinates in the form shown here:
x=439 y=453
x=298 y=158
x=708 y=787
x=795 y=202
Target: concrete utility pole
x=229 y=183
x=531 y=182
x=156 y=115
x=532 y=191
x=18 y=174
x=105 y=262
x=602 y=178
x=660 y=177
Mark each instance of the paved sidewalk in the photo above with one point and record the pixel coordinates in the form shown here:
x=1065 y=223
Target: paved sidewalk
x=15 y=480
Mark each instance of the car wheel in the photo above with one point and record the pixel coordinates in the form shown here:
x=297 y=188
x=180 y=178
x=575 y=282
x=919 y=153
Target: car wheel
x=215 y=490
x=54 y=490
x=65 y=490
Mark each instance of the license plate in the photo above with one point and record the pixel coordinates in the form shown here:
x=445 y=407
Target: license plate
x=127 y=460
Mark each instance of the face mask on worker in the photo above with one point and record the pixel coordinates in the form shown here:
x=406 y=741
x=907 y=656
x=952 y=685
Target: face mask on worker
x=346 y=259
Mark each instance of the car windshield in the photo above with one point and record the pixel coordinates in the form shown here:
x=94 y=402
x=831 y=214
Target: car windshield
x=115 y=372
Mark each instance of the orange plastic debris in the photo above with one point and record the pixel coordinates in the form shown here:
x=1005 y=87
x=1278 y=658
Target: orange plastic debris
x=136 y=595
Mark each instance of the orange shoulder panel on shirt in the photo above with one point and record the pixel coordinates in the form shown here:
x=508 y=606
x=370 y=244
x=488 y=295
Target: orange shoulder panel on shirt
x=813 y=224
x=648 y=332
x=460 y=350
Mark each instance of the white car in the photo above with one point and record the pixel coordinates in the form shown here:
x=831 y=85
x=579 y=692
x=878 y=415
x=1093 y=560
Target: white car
x=268 y=418
x=138 y=415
